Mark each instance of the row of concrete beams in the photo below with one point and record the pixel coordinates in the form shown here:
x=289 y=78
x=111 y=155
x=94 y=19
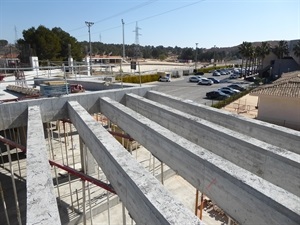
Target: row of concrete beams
x=270 y=133
x=144 y=197
x=244 y=196
x=277 y=165
x=41 y=201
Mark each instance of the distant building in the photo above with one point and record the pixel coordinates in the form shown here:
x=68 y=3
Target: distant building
x=279 y=102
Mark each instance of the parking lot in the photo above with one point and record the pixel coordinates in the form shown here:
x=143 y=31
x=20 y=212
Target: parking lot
x=182 y=88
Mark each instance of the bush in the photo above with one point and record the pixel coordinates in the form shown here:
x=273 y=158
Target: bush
x=227 y=101
x=135 y=79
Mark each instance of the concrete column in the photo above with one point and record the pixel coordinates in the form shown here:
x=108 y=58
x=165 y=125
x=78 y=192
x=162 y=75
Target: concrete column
x=41 y=200
x=88 y=65
x=34 y=63
x=244 y=196
x=71 y=64
x=144 y=197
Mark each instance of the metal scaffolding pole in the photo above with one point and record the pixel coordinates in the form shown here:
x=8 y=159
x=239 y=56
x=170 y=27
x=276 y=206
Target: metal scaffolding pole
x=51 y=150
x=4 y=204
x=14 y=186
x=83 y=158
x=69 y=177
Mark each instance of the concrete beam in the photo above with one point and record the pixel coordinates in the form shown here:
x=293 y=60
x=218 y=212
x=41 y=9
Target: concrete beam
x=274 y=164
x=55 y=108
x=144 y=197
x=244 y=196
x=270 y=133
x=41 y=199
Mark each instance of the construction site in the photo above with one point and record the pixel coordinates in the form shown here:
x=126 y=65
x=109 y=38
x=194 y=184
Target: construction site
x=127 y=154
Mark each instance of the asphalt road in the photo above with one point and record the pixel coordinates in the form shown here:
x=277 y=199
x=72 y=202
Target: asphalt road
x=182 y=88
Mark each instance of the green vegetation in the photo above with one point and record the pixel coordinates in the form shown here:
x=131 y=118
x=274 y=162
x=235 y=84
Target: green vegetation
x=136 y=79
x=53 y=45
x=227 y=101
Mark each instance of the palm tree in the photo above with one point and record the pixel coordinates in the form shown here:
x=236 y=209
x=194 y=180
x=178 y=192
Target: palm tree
x=281 y=49
x=245 y=49
x=296 y=49
x=264 y=51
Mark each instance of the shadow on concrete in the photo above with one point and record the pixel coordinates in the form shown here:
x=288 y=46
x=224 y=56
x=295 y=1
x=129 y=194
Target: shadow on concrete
x=9 y=200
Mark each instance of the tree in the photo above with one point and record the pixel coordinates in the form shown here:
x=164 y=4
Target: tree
x=3 y=43
x=296 y=49
x=246 y=50
x=45 y=43
x=264 y=51
x=49 y=44
x=281 y=49
x=68 y=45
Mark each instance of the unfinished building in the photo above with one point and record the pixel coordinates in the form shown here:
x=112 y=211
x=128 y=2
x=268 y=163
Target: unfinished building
x=87 y=142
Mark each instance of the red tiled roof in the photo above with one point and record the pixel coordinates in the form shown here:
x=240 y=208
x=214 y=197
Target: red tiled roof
x=286 y=86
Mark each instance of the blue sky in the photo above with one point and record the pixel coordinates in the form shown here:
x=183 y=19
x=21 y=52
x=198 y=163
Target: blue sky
x=182 y=23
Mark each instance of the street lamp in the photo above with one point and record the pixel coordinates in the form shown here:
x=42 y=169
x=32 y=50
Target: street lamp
x=89 y=24
x=196 y=58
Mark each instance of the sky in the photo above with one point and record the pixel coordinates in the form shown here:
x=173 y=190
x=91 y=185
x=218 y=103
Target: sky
x=182 y=23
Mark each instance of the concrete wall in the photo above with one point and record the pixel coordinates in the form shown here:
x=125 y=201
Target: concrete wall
x=14 y=114
x=244 y=196
x=275 y=135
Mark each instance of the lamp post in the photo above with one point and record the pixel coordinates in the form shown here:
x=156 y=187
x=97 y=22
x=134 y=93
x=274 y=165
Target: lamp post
x=196 y=58
x=89 y=24
x=123 y=55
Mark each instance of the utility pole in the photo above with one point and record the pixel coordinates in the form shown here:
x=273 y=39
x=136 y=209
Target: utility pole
x=123 y=57
x=89 y=24
x=196 y=58
x=123 y=39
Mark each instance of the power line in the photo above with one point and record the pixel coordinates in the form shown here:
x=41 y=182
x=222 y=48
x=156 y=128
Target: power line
x=120 y=13
x=150 y=17
x=159 y=14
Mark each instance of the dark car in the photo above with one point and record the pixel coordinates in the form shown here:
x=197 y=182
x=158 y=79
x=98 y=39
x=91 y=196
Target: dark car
x=199 y=73
x=250 y=79
x=236 y=87
x=216 y=81
x=216 y=95
x=228 y=92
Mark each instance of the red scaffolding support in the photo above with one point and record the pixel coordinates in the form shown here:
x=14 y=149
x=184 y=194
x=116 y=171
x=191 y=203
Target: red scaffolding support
x=70 y=170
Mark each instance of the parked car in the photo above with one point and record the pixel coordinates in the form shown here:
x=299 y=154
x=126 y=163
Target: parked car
x=216 y=73
x=237 y=87
x=230 y=89
x=216 y=81
x=222 y=72
x=228 y=92
x=216 y=95
x=199 y=73
x=205 y=81
x=164 y=79
x=234 y=76
x=250 y=79
x=194 y=79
